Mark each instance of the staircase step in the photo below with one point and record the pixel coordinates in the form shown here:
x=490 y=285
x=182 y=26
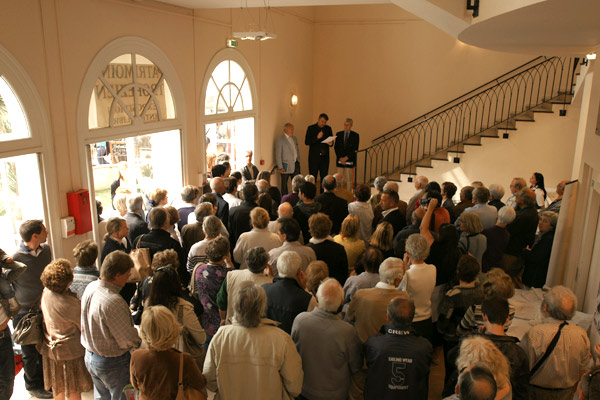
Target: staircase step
x=425 y=163
x=562 y=99
x=543 y=108
x=458 y=148
x=473 y=141
x=527 y=116
x=491 y=133
x=507 y=125
x=441 y=156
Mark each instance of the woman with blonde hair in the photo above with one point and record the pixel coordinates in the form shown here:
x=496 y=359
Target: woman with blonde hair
x=472 y=241
x=477 y=349
x=348 y=237
x=382 y=239
x=62 y=353
x=155 y=371
x=158 y=198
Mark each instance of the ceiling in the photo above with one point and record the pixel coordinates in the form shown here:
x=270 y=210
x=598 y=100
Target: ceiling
x=261 y=3
x=552 y=27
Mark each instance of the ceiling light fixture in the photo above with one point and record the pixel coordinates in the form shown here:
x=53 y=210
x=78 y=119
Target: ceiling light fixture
x=256 y=31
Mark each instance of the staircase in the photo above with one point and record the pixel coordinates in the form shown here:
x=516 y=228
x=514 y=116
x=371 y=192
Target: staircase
x=491 y=110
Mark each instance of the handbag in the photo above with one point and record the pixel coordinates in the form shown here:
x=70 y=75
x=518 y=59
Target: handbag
x=186 y=393
x=29 y=330
x=186 y=342
x=141 y=262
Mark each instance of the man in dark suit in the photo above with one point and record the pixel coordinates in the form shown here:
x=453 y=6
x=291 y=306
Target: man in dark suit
x=346 y=145
x=318 y=152
x=239 y=217
x=249 y=172
x=390 y=211
x=333 y=206
x=218 y=188
x=135 y=222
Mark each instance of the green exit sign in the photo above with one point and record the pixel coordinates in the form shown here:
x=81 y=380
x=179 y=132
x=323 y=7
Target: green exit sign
x=232 y=43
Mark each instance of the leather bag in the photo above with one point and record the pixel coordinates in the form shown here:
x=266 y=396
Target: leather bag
x=141 y=262
x=187 y=344
x=186 y=393
x=29 y=330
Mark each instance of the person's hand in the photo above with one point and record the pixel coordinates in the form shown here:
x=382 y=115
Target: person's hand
x=222 y=323
x=433 y=203
x=320 y=135
x=406 y=261
x=282 y=171
x=481 y=329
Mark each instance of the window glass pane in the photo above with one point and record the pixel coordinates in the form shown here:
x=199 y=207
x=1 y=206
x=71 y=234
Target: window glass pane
x=221 y=74
x=20 y=197
x=222 y=105
x=118 y=99
x=136 y=165
x=13 y=124
x=233 y=137
x=236 y=98
x=237 y=74
x=210 y=104
x=246 y=96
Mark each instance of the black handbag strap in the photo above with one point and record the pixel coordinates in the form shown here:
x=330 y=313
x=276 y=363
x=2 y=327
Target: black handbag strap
x=549 y=350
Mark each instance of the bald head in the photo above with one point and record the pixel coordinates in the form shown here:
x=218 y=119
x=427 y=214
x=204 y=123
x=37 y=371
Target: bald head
x=329 y=183
x=262 y=186
x=420 y=182
x=285 y=210
x=330 y=295
x=560 y=188
x=217 y=185
x=391 y=186
x=339 y=178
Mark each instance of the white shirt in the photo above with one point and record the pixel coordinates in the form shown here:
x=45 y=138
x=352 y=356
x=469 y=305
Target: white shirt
x=419 y=282
x=293 y=144
x=232 y=200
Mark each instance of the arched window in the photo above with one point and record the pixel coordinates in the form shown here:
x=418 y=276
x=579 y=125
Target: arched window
x=229 y=108
x=130 y=116
x=26 y=156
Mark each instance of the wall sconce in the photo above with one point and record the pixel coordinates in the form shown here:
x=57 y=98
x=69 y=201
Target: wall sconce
x=589 y=56
x=294 y=100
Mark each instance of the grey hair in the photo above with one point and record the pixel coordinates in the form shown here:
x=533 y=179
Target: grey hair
x=296 y=182
x=349 y=120
x=477 y=382
x=391 y=186
x=561 y=303
x=211 y=226
x=288 y=264
x=417 y=247
x=135 y=202
x=249 y=304
x=520 y=183
x=330 y=295
x=506 y=215
x=475 y=349
x=423 y=181
x=203 y=210
x=309 y=178
x=262 y=186
x=552 y=216
x=496 y=191
x=391 y=268
x=380 y=182
x=287 y=125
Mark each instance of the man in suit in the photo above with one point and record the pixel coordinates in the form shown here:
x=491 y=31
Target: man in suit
x=420 y=183
x=249 y=171
x=287 y=156
x=390 y=211
x=218 y=189
x=333 y=206
x=135 y=222
x=318 y=152
x=346 y=145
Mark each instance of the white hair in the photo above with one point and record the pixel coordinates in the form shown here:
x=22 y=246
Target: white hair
x=135 y=202
x=330 y=295
x=506 y=215
x=288 y=264
x=262 y=185
x=496 y=191
x=391 y=268
x=391 y=186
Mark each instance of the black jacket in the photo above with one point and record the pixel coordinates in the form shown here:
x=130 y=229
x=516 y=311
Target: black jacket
x=136 y=224
x=519 y=363
x=285 y=300
x=346 y=148
x=336 y=209
x=317 y=149
x=248 y=175
x=522 y=230
x=302 y=212
x=158 y=240
x=222 y=209
x=537 y=260
x=239 y=221
x=397 y=219
x=334 y=256
x=111 y=245
x=398 y=365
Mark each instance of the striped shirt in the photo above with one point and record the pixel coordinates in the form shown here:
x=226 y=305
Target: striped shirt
x=106 y=325
x=473 y=319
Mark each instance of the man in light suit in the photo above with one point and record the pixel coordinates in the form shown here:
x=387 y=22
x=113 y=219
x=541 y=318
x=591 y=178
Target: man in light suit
x=346 y=145
x=287 y=156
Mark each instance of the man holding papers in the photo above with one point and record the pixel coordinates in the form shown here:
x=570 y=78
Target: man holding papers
x=319 y=138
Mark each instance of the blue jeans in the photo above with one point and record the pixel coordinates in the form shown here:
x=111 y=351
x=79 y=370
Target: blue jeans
x=110 y=375
x=7 y=365
x=33 y=370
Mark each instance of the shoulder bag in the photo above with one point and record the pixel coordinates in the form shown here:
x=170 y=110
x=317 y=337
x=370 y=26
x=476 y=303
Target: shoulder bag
x=141 y=262
x=186 y=393
x=186 y=342
x=549 y=350
x=29 y=330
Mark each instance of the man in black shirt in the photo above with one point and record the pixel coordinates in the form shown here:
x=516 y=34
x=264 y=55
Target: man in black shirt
x=318 y=152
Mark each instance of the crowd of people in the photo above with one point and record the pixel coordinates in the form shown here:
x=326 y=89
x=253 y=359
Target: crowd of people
x=256 y=293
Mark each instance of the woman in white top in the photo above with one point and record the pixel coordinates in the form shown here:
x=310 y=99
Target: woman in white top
x=419 y=282
x=363 y=210
x=537 y=185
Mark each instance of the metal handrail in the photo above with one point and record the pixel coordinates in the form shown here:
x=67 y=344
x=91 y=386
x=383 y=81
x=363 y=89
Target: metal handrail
x=450 y=125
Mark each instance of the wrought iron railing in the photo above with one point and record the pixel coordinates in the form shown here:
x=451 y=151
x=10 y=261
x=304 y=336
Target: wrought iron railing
x=444 y=129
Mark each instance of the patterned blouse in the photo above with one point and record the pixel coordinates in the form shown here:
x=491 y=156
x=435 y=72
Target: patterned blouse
x=208 y=280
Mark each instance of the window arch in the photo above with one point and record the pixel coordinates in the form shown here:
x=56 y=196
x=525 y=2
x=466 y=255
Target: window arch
x=27 y=172
x=229 y=104
x=131 y=121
